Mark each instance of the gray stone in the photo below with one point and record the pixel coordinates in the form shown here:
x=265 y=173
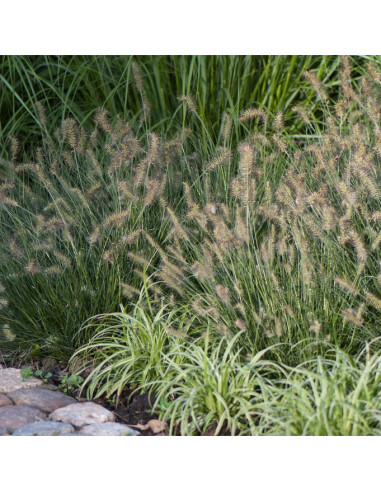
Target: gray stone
x=44 y=399
x=12 y=417
x=44 y=429
x=109 y=429
x=4 y=400
x=11 y=380
x=74 y=434
x=3 y=432
x=80 y=414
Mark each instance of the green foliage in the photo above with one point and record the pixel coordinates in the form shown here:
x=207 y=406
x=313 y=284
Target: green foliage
x=28 y=372
x=70 y=382
x=75 y=86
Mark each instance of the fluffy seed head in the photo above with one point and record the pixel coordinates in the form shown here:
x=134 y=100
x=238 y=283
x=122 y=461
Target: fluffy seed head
x=137 y=77
x=69 y=130
x=302 y=113
x=373 y=72
x=189 y=103
x=347 y=286
x=316 y=85
x=41 y=113
x=239 y=323
x=279 y=142
x=223 y=294
x=116 y=219
x=351 y=316
x=252 y=113
x=32 y=267
x=278 y=121
x=139 y=259
x=246 y=161
x=316 y=327
x=226 y=130
x=14 y=147
x=374 y=300
x=129 y=291
x=218 y=161
x=101 y=119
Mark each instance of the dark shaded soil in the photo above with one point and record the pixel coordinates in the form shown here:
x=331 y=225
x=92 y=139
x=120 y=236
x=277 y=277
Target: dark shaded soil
x=131 y=410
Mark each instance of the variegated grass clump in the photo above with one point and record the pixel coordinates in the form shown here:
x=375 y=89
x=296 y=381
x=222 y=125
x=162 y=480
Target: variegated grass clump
x=338 y=396
x=212 y=391
x=128 y=349
x=68 y=218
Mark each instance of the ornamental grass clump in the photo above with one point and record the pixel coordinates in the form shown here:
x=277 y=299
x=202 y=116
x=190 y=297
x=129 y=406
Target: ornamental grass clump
x=210 y=391
x=284 y=246
x=127 y=350
x=68 y=218
x=338 y=396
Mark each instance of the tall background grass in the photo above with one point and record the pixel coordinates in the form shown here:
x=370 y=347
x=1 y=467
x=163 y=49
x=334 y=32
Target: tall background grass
x=75 y=86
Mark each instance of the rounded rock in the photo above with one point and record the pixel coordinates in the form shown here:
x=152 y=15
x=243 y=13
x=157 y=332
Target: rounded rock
x=108 y=429
x=44 y=399
x=11 y=380
x=14 y=416
x=45 y=428
x=80 y=414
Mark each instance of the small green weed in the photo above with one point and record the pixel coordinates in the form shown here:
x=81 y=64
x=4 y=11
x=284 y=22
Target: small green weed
x=70 y=382
x=28 y=372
